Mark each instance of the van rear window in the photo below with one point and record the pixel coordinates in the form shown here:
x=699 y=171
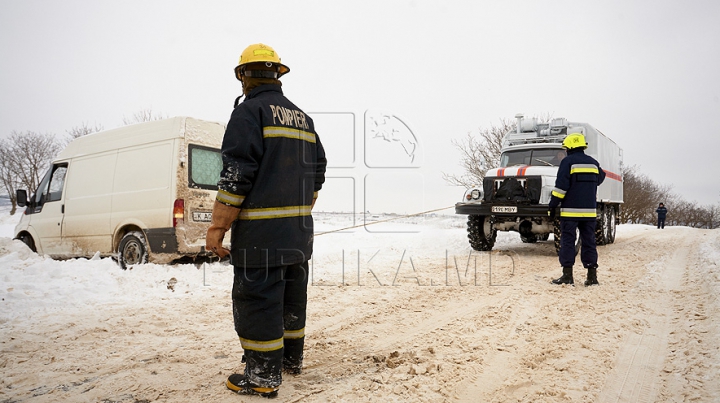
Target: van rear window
x=205 y=165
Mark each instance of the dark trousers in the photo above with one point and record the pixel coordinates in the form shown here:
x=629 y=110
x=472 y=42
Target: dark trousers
x=661 y=222
x=269 y=310
x=588 y=250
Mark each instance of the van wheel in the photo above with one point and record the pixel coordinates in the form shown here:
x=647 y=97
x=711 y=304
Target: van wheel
x=28 y=240
x=132 y=250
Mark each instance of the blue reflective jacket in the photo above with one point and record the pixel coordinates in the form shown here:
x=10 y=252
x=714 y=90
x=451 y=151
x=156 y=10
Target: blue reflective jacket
x=575 y=190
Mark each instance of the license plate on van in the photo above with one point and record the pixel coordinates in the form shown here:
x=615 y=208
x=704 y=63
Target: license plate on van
x=504 y=209
x=202 y=216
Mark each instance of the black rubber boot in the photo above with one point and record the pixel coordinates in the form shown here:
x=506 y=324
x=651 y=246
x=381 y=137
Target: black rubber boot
x=293 y=356
x=292 y=368
x=591 y=277
x=239 y=384
x=567 y=277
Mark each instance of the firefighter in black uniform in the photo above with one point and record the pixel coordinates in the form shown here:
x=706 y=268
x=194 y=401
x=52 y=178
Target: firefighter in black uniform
x=575 y=191
x=273 y=167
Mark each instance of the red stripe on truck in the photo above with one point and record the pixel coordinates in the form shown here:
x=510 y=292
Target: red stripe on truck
x=613 y=175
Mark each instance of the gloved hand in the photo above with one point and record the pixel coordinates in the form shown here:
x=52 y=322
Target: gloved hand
x=222 y=219
x=214 y=240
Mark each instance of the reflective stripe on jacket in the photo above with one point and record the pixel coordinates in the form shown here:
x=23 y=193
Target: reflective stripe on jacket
x=576 y=186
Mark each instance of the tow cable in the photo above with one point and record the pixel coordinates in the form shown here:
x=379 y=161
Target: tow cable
x=382 y=221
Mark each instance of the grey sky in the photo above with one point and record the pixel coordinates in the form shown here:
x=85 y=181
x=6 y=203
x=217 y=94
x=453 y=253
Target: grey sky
x=646 y=73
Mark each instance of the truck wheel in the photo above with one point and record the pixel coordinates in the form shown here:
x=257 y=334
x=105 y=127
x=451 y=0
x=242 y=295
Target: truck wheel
x=601 y=227
x=28 y=240
x=557 y=233
x=481 y=233
x=612 y=224
x=529 y=239
x=544 y=237
x=132 y=250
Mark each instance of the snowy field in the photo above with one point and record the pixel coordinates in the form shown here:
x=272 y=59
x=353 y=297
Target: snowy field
x=398 y=311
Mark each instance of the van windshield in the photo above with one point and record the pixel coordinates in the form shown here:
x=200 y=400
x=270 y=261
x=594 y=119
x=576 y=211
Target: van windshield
x=538 y=156
x=205 y=165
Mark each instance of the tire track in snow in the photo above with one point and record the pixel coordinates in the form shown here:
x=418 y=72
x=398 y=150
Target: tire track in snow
x=636 y=376
x=356 y=355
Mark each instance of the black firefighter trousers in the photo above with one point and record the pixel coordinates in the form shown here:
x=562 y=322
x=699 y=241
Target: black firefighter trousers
x=588 y=248
x=269 y=309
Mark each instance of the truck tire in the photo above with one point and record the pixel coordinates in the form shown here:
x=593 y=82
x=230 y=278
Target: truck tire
x=481 y=233
x=611 y=212
x=544 y=237
x=529 y=239
x=601 y=227
x=132 y=250
x=557 y=233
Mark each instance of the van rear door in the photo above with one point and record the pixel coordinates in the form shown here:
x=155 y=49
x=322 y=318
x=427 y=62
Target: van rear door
x=204 y=166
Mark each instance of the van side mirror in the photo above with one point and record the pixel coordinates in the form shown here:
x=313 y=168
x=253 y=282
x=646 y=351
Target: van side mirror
x=21 y=197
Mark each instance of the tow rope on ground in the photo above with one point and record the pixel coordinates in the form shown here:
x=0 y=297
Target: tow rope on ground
x=382 y=221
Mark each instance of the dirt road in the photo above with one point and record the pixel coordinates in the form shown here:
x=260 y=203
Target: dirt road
x=452 y=328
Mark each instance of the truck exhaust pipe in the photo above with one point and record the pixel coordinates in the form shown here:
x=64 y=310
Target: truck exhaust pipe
x=518 y=126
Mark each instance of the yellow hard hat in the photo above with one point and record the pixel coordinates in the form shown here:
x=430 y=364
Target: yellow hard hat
x=260 y=53
x=574 y=140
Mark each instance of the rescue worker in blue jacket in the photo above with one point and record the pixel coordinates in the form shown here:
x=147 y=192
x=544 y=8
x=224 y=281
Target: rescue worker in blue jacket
x=575 y=191
x=662 y=213
x=273 y=167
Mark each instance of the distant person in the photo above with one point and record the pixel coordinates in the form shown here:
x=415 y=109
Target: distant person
x=273 y=167
x=662 y=213
x=575 y=191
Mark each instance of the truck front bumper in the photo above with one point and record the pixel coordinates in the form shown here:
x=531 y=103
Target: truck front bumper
x=538 y=210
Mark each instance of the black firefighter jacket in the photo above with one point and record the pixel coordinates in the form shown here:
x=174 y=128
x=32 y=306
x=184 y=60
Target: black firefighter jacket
x=575 y=190
x=273 y=167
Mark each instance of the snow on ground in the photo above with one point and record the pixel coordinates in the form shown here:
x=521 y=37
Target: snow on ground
x=398 y=311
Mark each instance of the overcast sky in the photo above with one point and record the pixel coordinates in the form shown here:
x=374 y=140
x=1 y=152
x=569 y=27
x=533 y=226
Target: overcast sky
x=646 y=73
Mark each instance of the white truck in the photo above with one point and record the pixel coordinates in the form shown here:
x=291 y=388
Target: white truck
x=515 y=195
x=140 y=193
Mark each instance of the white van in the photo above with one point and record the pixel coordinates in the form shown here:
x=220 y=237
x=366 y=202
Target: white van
x=143 y=193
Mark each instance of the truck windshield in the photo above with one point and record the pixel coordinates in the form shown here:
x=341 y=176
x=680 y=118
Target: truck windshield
x=538 y=156
x=204 y=167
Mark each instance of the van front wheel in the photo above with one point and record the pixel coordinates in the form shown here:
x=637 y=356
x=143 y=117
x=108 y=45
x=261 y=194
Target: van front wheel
x=132 y=250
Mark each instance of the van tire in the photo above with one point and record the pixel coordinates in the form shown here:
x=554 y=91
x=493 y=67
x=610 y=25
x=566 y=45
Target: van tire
x=132 y=250
x=28 y=240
